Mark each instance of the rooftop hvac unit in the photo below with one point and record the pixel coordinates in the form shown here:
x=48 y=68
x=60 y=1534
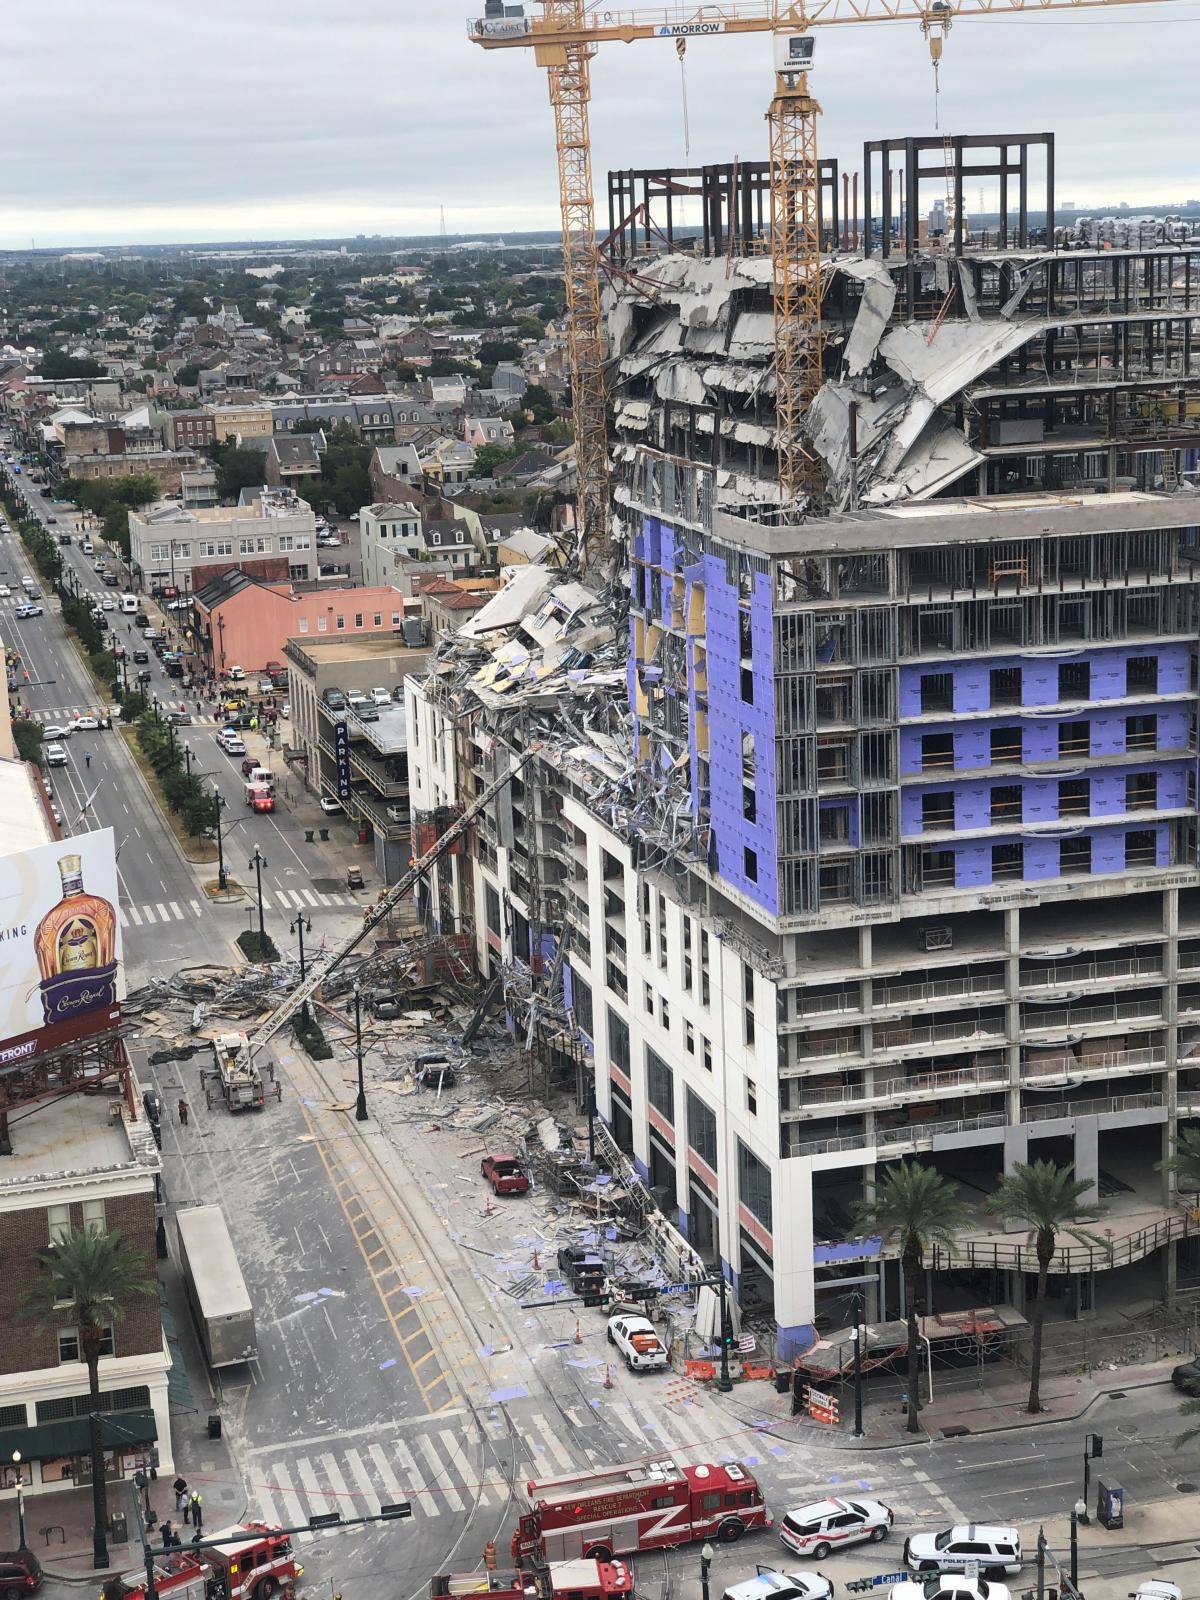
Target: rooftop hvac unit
x=937 y=938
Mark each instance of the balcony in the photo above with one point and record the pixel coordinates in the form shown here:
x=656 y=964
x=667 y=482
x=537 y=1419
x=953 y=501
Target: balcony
x=921 y=1086
x=1106 y=1063
x=903 y=1036
x=1088 y=972
x=1110 y=1105
x=1067 y=1018
x=896 y=1138
x=909 y=994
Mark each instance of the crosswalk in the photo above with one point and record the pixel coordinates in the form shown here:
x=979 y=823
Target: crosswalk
x=149 y=913
x=427 y=1465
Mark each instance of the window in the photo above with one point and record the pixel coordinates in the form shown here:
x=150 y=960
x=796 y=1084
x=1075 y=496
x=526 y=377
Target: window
x=341 y=622
x=705 y=992
x=689 y=1037
x=1074 y=856
x=705 y=1053
x=1141 y=733
x=59 y=1220
x=286 y=542
x=395 y=619
x=748 y=1003
x=322 y=624
x=68 y=1344
x=581 y=1000
x=702 y=1130
x=1006 y=804
x=937 y=750
x=93 y=1215
x=1074 y=739
x=1074 y=681
x=358 y=616
x=648 y=999
x=664 y=1013
x=751 y=1097
x=1141 y=848
x=1141 y=675
x=618 y=1041
x=1005 y=684
x=660 y=1085
x=1006 y=745
x=937 y=811
x=687 y=954
x=754 y=1185
x=377 y=620
x=750 y=864
x=937 y=692
x=1008 y=861
x=1141 y=791
x=1075 y=797
x=435 y=538
x=303 y=624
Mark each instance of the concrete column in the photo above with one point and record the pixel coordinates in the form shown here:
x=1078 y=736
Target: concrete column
x=1016 y=1145
x=1087 y=1148
x=1170 y=1271
x=795 y=1297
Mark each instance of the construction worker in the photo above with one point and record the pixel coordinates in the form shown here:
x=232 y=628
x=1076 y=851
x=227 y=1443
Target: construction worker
x=196 y=1506
x=183 y=1122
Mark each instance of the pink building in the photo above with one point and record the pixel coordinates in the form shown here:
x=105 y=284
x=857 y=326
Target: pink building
x=244 y=622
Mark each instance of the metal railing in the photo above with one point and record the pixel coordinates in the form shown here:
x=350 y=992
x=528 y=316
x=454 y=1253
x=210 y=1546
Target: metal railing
x=898 y=1036
x=1092 y=971
x=1093 y=1108
x=922 y=1083
x=938 y=989
x=1106 y=1061
x=1077 y=1016
x=923 y=1132
x=1106 y=1253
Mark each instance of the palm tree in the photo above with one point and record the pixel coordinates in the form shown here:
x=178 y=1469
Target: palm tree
x=918 y=1207
x=1048 y=1200
x=101 y=1272
x=1184 y=1161
x=1189 y=1408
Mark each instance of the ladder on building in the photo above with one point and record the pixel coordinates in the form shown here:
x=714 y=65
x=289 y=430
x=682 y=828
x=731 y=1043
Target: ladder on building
x=1170 y=470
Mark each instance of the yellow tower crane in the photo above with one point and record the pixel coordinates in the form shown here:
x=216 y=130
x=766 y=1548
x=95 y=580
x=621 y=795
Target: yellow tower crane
x=563 y=39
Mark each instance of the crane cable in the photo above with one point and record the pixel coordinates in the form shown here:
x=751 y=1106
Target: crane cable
x=681 y=52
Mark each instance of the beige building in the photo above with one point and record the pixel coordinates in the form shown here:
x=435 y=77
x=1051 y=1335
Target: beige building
x=242 y=422
x=271 y=535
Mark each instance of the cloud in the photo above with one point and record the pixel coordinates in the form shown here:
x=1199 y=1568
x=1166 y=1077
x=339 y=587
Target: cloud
x=145 y=122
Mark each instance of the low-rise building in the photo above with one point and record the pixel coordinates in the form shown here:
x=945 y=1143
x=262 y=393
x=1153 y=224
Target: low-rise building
x=238 y=620
x=388 y=536
x=395 y=473
x=166 y=467
x=186 y=430
x=271 y=535
x=198 y=489
x=481 y=431
x=360 y=760
x=291 y=457
x=241 y=422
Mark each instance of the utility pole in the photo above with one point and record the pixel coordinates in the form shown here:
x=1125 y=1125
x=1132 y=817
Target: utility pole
x=360 y=1107
x=258 y=861
x=300 y=927
x=724 y=1382
x=1041 y=1564
x=222 y=877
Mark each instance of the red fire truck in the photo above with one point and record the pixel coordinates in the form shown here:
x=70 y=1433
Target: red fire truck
x=561 y=1580
x=646 y=1506
x=256 y=1563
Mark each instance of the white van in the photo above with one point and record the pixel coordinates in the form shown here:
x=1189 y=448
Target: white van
x=88 y=547
x=129 y=603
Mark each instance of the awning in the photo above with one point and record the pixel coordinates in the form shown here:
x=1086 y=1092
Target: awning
x=72 y=1436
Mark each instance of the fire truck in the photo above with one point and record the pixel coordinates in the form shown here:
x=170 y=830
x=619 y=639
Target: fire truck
x=256 y=1563
x=234 y=1078
x=561 y=1580
x=646 y=1506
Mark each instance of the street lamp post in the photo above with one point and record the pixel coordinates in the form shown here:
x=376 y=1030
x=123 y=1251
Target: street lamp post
x=222 y=877
x=859 y=1334
x=706 y=1560
x=16 y=1456
x=258 y=861
x=1078 y=1515
x=187 y=758
x=724 y=1382
x=300 y=927
x=360 y=1107
x=1093 y=1450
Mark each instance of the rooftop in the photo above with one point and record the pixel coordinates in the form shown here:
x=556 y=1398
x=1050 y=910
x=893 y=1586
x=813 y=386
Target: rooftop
x=328 y=652
x=71 y=1135
x=25 y=823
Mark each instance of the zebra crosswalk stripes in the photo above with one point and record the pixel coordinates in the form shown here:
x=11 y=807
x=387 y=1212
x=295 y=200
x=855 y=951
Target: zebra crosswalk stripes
x=151 y=913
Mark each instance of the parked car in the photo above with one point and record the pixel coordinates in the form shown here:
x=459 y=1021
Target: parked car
x=987 y=1547
x=330 y=806
x=181 y=719
x=505 y=1174
x=141 y=658
x=381 y=697
x=56 y=756
x=635 y=1337
x=87 y=724
x=236 y=674
x=951 y=1586
x=1186 y=1377
x=141 y=620
x=108 y=603
x=56 y=730
x=248 y=765
x=232 y=743
x=770 y=1585
x=20 y=1573
x=824 y=1525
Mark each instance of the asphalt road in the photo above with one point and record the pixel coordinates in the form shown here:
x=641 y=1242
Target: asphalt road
x=166 y=917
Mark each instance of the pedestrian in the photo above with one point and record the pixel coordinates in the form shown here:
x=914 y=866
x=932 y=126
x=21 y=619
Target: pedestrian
x=168 y=1533
x=87 y=758
x=197 y=1509
x=183 y=1122
x=180 y=1489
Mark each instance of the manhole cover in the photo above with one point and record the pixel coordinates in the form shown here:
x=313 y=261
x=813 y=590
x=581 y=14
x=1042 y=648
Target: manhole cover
x=1187 y=1488
x=954 y=1433
x=1127 y=1427
x=327 y=885
x=1117 y=1394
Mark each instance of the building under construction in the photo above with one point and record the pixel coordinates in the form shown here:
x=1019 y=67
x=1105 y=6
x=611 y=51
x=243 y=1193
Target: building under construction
x=870 y=832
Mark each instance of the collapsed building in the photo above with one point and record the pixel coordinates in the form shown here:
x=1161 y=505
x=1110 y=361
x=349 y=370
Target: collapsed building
x=840 y=837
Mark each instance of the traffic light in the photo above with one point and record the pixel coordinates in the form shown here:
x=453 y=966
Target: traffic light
x=1097 y=1446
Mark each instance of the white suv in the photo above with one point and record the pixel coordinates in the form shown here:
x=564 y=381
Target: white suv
x=825 y=1525
x=981 y=1546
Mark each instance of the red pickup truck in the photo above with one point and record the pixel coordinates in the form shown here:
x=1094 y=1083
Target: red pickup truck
x=505 y=1174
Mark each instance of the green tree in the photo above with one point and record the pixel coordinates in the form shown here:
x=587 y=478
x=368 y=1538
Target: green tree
x=1184 y=1161
x=530 y=327
x=27 y=736
x=238 y=468
x=490 y=456
x=351 y=489
x=537 y=399
x=318 y=493
x=493 y=350
x=918 y=1208
x=102 y=1273
x=58 y=364
x=1047 y=1200
x=189 y=376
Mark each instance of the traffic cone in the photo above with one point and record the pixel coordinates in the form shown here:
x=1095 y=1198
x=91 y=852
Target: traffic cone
x=488 y=1209
x=537 y=1266
x=578 y=1335
x=607 y=1376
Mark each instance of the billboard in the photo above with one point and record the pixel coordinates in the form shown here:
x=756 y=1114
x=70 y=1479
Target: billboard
x=60 y=944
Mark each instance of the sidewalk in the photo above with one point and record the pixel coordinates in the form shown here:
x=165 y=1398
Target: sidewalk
x=996 y=1408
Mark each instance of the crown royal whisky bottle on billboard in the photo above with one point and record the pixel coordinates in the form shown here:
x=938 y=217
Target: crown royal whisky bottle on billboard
x=76 y=944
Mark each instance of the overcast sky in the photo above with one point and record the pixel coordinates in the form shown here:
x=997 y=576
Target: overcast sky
x=145 y=121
